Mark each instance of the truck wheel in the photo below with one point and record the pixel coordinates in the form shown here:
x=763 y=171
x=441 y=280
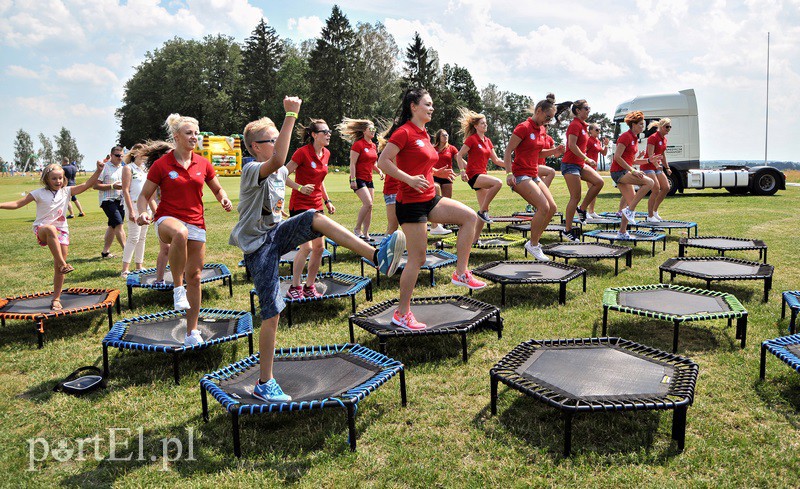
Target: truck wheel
x=673 y=180
x=738 y=190
x=764 y=182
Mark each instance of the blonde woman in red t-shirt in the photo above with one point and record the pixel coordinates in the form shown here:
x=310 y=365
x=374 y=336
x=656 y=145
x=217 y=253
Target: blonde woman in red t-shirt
x=409 y=157
x=656 y=146
x=310 y=166
x=444 y=185
x=180 y=175
x=363 y=156
x=594 y=148
x=474 y=171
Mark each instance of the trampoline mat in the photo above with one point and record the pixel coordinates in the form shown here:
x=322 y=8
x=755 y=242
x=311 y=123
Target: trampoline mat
x=205 y=274
x=516 y=218
x=667 y=224
x=305 y=379
x=324 y=285
x=716 y=268
x=170 y=332
x=528 y=271
x=523 y=226
x=496 y=243
x=289 y=257
x=437 y=316
x=604 y=220
x=555 y=227
x=41 y=304
x=672 y=302
x=597 y=373
x=722 y=243
x=794 y=349
x=584 y=249
x=635 y=235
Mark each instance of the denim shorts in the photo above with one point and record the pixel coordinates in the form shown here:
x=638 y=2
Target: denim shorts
x=263 y=263
x=653 y=172
x=195 y=233
x=390 y=199
x=616 y=175
x=570 y=169
x=522 y=178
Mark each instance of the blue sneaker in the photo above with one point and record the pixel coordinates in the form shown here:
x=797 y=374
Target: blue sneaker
x=270 y=392
x=390 y=251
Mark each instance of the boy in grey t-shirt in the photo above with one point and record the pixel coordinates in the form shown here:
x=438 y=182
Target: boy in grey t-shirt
x=264 y=236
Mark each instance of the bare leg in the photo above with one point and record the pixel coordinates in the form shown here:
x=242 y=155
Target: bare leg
x=172 y=232
x=538 y=195
x=574 y=187
x=343 y=237
x=547 y=174
x=300 y=263
x=449 y=211
x=391 y=218
x=162 y=259
x=266 y=346
x=194 y=266
x=49 y=234
x=416 y=242
x=365 y=212
x=317 y=245
x=594 y=184
x=663 y=185
x=58 y=277
x=625 y=186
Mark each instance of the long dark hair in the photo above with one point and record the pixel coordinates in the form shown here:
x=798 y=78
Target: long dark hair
x=411 y=96
x=305 y=132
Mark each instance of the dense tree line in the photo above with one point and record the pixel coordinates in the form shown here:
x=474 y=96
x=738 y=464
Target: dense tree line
x=348 y=71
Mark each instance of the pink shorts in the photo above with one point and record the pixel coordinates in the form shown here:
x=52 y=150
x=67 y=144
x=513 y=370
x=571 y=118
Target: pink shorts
x=63 y=236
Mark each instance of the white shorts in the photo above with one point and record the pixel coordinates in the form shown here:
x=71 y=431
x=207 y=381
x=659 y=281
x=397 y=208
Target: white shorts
x=195 y=233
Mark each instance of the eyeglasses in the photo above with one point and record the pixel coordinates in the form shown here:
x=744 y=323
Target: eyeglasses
x=117 y=155
x=324 y=131
x=266 y=141
x=668 y=127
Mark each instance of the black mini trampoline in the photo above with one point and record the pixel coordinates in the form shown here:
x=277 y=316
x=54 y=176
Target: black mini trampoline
x=434 y=259
x=490 y=241
x=597 y=251
x=718 y=268
x=530 y=272
x=676 y=304
x=667 y=226
x=444 y=315
x=164 y=332
x=722 y=244
x=317 y=377
x=374 y=240
x=507 y=220
x=605 y=222
x=146 y=279
x=786 y=348
x=636 y=237
x=791 y=298
x=599 y=375
x=331 y=285
x=36 y=307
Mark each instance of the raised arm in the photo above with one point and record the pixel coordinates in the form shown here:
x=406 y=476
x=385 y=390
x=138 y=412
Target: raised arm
x=292 y=107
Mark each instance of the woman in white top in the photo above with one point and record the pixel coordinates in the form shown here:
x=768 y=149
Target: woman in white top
x=134 y=174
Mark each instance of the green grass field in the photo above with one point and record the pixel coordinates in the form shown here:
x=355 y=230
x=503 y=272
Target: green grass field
x=740 y=432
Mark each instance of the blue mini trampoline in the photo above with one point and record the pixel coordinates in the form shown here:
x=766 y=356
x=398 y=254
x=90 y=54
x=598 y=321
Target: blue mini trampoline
x=331 y=285
x=374 y=240
x=317 y=377
x=786 y=348
x=636 y=237
x=433 y=259
x=667 y=226
x=164 y=332
x=146 y=279
x=791 y=299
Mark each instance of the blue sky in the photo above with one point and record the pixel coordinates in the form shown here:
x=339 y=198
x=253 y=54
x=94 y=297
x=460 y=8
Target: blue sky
x=65 y=62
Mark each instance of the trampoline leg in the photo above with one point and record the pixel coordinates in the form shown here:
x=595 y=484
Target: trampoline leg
x=783 y=310
x=362 y=268
x=502 y=294
x=230 y=286
x=330 y=265
x=616 y=266
x=351 y=426
x=767 y=287
x=605 y=319
x=763 y=368
x=119 y=307
x=653 y=252
x=661 y=276
x=252 y=304
x=289 y=313
x=352 y=333
x=499 y=326
x=741 y=324
x=629 y=259
x=493 y=395
x=105 y=361
x=377 y=277
x=506 y=250
x=584 y=281
x=433 y=278
x=403 y=398
x=353 y=302
x=369 y=291
x=40 y=334
x=382 y=346
x=237 y=447
x=176 y=371
x=567 y=434
x=675 y=332
x=765 y=255
x=464 y=347
x=250 y=342
x=204 y=403
x=562 y=293
x=681 y=250
x=793 y=322
x=708 y=283
x=110 y=317
x=130 y=297
x=679 y=426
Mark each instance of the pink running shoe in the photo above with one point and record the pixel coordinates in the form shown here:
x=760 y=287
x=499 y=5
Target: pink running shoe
x=310 y=291
x=294 y=292
x=467 y=280
x=407 y=321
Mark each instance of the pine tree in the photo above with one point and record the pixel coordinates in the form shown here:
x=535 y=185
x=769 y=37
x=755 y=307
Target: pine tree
x=421 y=67
x=67 y=147
x=262 y=57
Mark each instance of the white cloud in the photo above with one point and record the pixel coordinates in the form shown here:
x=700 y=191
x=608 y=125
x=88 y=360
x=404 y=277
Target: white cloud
x=40 y=106
x=22 y=72
x=306 y=27
x=83 y=110
x=88 y=73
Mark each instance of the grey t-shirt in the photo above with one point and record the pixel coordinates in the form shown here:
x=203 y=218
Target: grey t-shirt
x=260 y=205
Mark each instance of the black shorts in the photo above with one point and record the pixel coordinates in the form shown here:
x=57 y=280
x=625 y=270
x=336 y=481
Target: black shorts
x=293 y=212
x=471 y=181
x=74 y=198
x=415 y=212
x=114 y=211
x=442 y=181
x=363 y=183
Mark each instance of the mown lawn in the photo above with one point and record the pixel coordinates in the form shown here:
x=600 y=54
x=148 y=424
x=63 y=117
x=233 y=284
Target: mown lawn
x=740 y=432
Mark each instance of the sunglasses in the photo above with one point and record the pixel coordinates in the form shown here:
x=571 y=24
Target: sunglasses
x=668 y=127
x=266 y=141
x=324 y=131
x=371 y=129
x=586 y=107
x=117 y=155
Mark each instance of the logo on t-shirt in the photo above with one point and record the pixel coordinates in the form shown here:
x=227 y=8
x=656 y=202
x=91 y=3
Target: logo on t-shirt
x=480 y=146
x=366 y=150
x=173 y=174
x=419 y=143
x=660 y=143
x=313 y=165
x=583 y=132
x=533 y=136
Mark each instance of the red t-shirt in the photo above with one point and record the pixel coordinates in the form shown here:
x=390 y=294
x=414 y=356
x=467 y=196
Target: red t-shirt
x=593 y=148
x=310 y=169
x=390 y=185
x=576 y=128
x=446 y=157
x=181 y=188
x=416 y=157
x=659 y=143
x=549 y=143
x=478 y=156
x=631 y=148
x=526 y=156
x=367 y=156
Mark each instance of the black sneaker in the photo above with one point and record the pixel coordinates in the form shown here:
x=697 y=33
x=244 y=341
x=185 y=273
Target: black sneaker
x=581 y=214
x=573 y=235
x=485 y=217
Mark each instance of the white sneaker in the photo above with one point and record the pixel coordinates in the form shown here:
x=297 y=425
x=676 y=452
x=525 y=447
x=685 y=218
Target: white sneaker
x=536 y=251
x=440 y=230
x=655 y=214
x=181 y=303
x=629 y=215
x=594 y=215
x=193 y=339
x=624 y=235
x=653 y=218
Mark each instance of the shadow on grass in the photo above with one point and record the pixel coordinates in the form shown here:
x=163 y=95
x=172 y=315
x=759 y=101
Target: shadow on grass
x=744 y=290
x=24 y=333
x=604 y=433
